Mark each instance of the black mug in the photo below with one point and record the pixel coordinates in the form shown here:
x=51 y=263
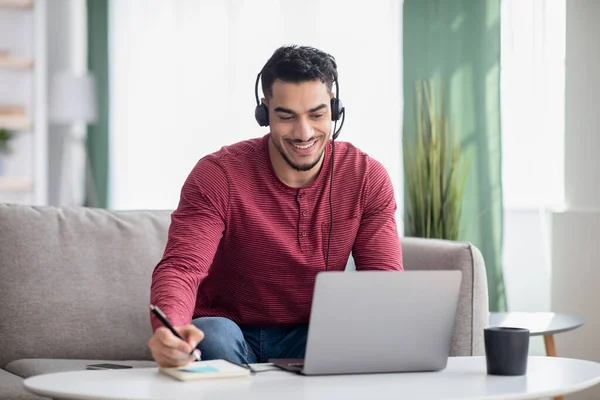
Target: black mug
x=506 y=350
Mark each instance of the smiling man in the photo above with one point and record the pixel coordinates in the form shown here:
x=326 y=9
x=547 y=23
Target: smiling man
x=258 y=220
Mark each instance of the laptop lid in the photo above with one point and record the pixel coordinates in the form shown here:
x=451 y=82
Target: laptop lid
x=381 y=321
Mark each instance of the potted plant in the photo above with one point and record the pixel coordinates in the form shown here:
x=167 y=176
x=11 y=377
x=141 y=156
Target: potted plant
x=5 y=149
x=434 y=170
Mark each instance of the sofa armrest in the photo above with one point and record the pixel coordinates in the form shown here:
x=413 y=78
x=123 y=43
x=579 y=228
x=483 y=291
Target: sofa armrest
x=472 y=312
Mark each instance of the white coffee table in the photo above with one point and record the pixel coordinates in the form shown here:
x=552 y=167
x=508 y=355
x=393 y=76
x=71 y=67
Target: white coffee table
x=464 y=378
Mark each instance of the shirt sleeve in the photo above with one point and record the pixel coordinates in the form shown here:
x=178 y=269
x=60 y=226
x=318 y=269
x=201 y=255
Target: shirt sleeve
x=196 y=229
x=377 y=244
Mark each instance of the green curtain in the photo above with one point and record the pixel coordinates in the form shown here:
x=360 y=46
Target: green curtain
x=456 y=43
x=97 y=138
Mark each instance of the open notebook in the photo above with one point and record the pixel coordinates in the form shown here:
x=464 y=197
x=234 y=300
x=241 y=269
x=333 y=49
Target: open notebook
x=206 y=370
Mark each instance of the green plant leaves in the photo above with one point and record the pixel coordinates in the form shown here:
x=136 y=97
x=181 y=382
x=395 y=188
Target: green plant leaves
x=434 y=171
x=5 y=138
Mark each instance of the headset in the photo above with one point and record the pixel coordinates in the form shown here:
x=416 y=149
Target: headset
x=261 y=113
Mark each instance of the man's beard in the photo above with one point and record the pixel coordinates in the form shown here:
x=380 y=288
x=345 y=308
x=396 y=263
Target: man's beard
x=301 y=167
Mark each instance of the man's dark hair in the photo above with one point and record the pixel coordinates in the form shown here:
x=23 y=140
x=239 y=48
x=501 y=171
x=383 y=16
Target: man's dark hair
x=298 y=64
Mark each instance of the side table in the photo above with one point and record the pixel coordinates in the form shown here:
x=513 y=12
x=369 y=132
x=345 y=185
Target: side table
x=539 y=323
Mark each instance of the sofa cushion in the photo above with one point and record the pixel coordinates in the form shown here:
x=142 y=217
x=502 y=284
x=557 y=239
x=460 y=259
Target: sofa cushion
x=11 y=387
x=36 y=366
x=75 y=282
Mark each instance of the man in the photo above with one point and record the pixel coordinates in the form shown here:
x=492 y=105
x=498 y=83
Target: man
x=255 y=224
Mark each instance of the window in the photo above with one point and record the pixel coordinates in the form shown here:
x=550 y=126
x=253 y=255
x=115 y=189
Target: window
x=182 y=82
x=533 y=102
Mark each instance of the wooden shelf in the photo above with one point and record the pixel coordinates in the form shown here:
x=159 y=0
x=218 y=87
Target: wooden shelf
x=15 y=185
x=15 y=62
x=16 y=3
x=15 y=123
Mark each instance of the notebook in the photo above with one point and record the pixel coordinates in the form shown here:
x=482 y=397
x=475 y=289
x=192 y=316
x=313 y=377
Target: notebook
x=206 y=370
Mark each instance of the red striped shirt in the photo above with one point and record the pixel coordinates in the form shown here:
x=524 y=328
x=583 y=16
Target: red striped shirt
x=245 y=246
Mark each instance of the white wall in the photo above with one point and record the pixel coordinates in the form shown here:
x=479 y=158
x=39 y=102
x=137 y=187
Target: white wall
x=526 y=264
x=526 y=259
x=576 y=231
x=575 y=283
x=582 y=166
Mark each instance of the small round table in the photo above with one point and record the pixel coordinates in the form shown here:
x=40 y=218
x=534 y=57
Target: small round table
x=539 y=323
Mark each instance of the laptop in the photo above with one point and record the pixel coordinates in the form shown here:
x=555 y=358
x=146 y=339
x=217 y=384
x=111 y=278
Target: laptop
x=379 y=321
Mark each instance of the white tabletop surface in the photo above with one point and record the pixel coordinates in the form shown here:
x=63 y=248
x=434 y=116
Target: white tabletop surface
x=464 y=378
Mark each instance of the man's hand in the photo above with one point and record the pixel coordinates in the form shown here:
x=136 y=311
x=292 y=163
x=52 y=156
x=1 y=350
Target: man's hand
x=170 y=351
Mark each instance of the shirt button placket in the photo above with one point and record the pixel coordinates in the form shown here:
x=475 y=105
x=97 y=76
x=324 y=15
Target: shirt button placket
x=303 y=224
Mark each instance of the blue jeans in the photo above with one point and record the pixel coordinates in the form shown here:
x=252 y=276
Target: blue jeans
x=224 y=339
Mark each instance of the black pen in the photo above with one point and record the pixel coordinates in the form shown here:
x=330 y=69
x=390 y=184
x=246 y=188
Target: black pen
x=163 y=318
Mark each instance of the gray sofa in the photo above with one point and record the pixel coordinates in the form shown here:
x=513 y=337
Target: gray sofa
x=74 y=288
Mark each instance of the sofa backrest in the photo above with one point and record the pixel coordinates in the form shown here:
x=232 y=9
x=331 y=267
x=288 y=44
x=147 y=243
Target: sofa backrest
x=472 y=312
x=75 y=282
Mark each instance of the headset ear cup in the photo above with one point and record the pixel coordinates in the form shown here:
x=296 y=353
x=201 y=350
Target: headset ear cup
x=261 y=113
x=336 y=109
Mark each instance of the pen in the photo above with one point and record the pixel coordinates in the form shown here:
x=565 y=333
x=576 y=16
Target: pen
x=163 y=318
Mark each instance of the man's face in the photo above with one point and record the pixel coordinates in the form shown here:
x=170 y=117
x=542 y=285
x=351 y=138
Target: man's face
x=300 y=122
